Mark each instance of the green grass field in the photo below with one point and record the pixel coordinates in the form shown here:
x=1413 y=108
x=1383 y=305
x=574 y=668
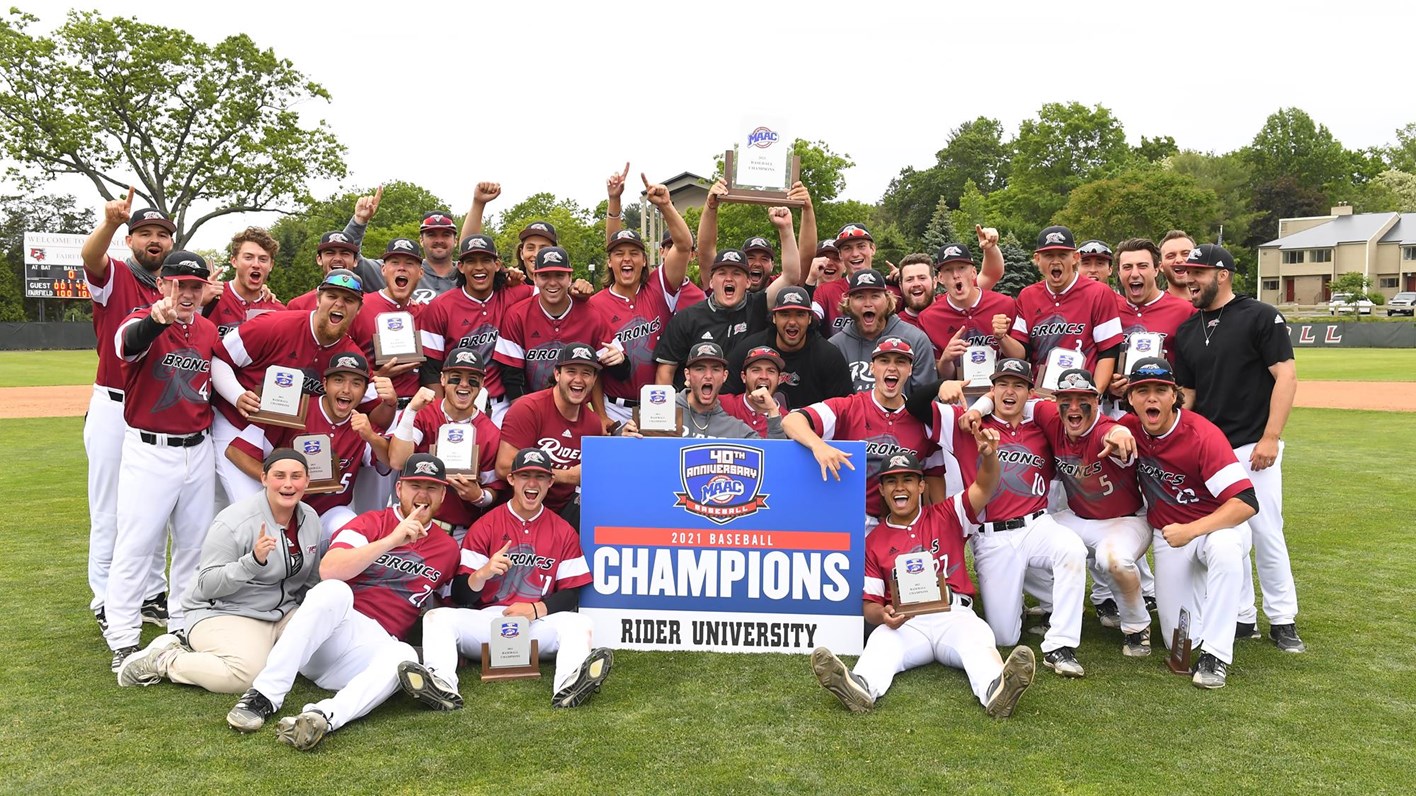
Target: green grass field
x=46 y=368
x=1328 y=721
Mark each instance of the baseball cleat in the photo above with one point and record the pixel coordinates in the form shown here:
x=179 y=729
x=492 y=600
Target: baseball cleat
x=154 y=610
x=1286 y=637
x=303 y=731
x=1036 y=610
x=587 y=681
x=1150 y=603
x=150 y=665
x=102 y=619
x=844 y=684
x=1243 y=630
x=1044 y=625
x=1210 y=672
x=1017 y=675
x=1063 y=661
x=422 y=684
x=1136 y=645
x=120 y=655
x=1108 y=614
x=250 y=712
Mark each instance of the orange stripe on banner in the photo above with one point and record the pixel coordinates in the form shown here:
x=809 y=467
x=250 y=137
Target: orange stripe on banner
x=752 y=540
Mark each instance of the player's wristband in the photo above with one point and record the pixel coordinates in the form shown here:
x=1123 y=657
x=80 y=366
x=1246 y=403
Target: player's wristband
x=404 y=429
x=485 y=500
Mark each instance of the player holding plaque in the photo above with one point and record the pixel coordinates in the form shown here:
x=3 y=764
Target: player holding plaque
x=1144 y=309
x=1058 y=361
x=957 y=638
x=283 y=401
x=918 y=586
x=968 y=316
x=761 y=167
x=387 y=328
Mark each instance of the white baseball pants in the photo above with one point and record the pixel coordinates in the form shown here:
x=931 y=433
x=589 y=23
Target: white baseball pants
x=957 y=638
x=448 y=631
x=1002 y=558
x=1205 y=577
x=234 y=485
x=1270 y=546
x=1116 y=545
x=103 y=446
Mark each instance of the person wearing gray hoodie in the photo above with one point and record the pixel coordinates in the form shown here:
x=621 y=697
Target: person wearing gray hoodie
x=702 y=414
x=871 y=310
x=260 y=556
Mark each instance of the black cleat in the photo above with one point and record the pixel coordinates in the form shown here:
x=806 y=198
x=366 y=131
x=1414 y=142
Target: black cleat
x=102 y=619
x=424 y=685
x=1136 y=645
x=1063 y=661
x=250 y=712
x=1210 y=672
x=154 y=610
x=844 y=684
x=121 y=655
x=1017 y=675
x=1243 y=630
x=1286 y=637
x=1150 y=603
x=1108 y=614
x=587 y=681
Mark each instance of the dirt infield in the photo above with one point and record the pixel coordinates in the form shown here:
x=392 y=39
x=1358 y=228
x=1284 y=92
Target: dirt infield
x=1384 y=396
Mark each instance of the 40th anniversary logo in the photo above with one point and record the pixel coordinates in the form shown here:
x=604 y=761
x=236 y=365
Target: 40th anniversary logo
x=721 y=483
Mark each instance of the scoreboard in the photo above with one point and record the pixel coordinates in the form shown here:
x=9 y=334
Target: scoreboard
x=54 y=267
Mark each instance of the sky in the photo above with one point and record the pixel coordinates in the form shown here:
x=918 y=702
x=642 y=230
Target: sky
x=553 y=96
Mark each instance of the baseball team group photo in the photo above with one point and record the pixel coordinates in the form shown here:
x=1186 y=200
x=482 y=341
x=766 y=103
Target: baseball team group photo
x=1073 y=461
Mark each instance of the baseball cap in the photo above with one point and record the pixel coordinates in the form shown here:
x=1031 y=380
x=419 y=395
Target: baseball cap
x=531 y=459
x=626 y=236
x=792 y=298
x=343 y=279
x=705 y=352
x=542 y=228
x=348 y=363
x=1055 y=238
x=853 y=232
x=762 y=352
x=826 y=247
x=336 y=240
x=577 y=354
x=1210 y=255
x=729 y=258
x=403 y=247
x=463 y=358
x=953 y=253
x=437 y=219
x=1151 y=370
x=148 y=217
x=1020 y=368
x=869 y=279
x=183 y=265
x=1094 y=248
x=552 y=259
x=424 y=467
x=476 y=244
x=892 y=345
x=1076 y=380
x=902 y=462
x=758 y=244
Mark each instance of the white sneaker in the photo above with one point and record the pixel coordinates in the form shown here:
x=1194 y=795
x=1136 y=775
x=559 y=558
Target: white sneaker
x=148 y=666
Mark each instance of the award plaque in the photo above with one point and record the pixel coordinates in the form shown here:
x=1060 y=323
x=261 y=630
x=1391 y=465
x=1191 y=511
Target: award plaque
x=283 y=398
x=1139 y=346
x=976 y=369
x=395 y=335
x=512 y=653
x=319 y=455
x=457 y=447
x=658 y=414
x=1059 y=360
x=918 y=585
x=1179 y=660
x=760 y=168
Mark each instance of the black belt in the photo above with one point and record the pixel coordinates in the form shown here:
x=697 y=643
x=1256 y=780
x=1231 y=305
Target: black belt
x=1013 y=524
x=627 y=403
x=115 y=396
x=172 y=440
x=403 y=402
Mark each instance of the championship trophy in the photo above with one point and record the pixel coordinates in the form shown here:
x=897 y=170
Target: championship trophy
x=395 y=335
x=283 y=398
x=658 y=415
x=512 y=653
x=760 y=168
x=917 y=585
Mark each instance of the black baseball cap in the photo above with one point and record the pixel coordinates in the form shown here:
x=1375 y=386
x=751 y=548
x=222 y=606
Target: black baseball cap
x=463 y=358
x=762 y=352
x=853 y=232
x=437 y=219
x=1094 y=248
x=578 y=354
x=336 y=240
x=953 y=253
x=705 y=352
x=553 y=258
x=625 y=236
x=902 y=462
x=1055 y=238
x=476 y=244
x=343 y=279
x=1076 y=380
x=531 y=459
x=826 y=247
x=792 y=298
x=403 y=247
x=148 y=217
x=348 y=362
x=1151 y=370
x=542 y=228
x=1020 y=368
x=184 y=265
x=1210 y=255
x=424 y=467
x=758 y=244
x=668 y=239
x=729 y=258
x=869 y=279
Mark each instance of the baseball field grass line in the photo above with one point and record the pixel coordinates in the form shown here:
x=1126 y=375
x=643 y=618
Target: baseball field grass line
x=1329 y=719
x=46 y=368
x=1356 y=364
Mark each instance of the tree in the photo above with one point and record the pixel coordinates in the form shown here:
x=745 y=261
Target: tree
x=1141 y=202
x=577 y=231
x=1155 y=150
x=1291 y=145
x=941 y=229
x=1231 y=179
x=190 y=125
x=1018 y=268
x=1065 y=146
x=1401 y=187
x=29 y=213
x=974 y=152
x=1402 y=155
x=1355 y=285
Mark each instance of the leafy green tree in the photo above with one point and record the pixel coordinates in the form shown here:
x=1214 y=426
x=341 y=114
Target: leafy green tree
x=1229 y=177
x=1402 y=154
x=34 y=213
x=976 y=151
x=1018 y=268
x=579 y=232
x=1140 y=202
x=1400 y=187
x=1155 y=150
x=201 y=130
x=1065 y=146
x=1357 y=286
x=941 y=229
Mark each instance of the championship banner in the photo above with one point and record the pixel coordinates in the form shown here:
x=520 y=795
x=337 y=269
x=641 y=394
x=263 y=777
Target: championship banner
x=54 y=267
x=722 y=545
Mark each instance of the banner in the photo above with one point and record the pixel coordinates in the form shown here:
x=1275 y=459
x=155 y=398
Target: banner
x=54 y=267
x=722 y=545
x=1352 y=335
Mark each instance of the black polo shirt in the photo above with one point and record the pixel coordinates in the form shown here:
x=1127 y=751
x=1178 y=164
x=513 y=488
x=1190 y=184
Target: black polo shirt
x=1229 y=371
x=707 y=322
x=811 y=374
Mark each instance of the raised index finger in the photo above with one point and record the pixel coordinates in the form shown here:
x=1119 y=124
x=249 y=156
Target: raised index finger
x=641 y=176
x=378 y=194
x=624 y=175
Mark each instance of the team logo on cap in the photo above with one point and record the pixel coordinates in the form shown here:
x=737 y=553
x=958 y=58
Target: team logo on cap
x=533 y=457
x=402 y=245
x=189 y=264
x=581 y=352
x=425 y=468
x=455 y=435
x=1151 y=369
x=349 y=362
x=721 y=482
x=151 y=214
x=336 y=237
x=756 y=242
x=540 y=226
x=898 y=461
x=731 y=257
x=465 y=358
x=953 y=251
x=1074 y=381
x=705 y=350
x=509 y=630
x=914 y=566
x=476 y=243
x=1055 y=237
x=553 y=257
x=1012 y=366
x=792 y=298
x=867 y=278
x=762 y=137
x=625 y=234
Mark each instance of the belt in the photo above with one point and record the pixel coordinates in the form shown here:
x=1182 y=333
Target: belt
x=403 y=402
x=496 y=399
x=1013 y=524
x=627 y=403
x=963 y=600
x=115 y=396
x=172 y=440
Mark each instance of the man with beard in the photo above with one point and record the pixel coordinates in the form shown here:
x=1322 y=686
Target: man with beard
x=402 y=272
x=419 y=425
x=760 y=264
x=703 y=416
x=1065 y=310
x=1175 y=250
x=555 y=420
x=968 y=314
x=166 y=350
x=855 y=249
x=247 y=295
x=337 y=251
x=812 y=369
x=471 y=317
x=437 y=235
x=916 y=287
x=116 y=290
x=638 y=303
x=761 y=375
x=870 y=312
x=517 y=560
x=1096 y=262
x=1234 y=363
x=355 y=444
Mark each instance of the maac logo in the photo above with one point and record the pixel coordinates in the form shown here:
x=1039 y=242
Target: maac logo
x=312 y=446
x=1143 y=345
x=284 y=378
x=762 y=137
x=914 y=566
x=395 y=323
x=721 y=482
x=455 y=435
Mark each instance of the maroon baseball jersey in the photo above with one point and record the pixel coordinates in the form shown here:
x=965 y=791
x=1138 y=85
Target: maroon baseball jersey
x=167 y=388
x=1082 y=317
x=485 y=434
x=860 y=417
x=1163 y=315
x=531 y=339
x=304 y=302
x=362 y=333
x=456 y=319
x=349 y=449
x=545 y=556
x=1188 y=472
x=393 y=589
x=737 y=406
x=689 y=294
x=942 y=320
x=636 y=323
x=1097 y=487
x=115 y=296
x=231 y=310
x=1024 y=461
x=938 y=528
x=910 y=318
x=533 y=421
x=277 y=338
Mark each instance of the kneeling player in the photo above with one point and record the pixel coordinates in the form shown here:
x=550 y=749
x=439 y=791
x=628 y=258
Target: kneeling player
x=957 y=637
x=517 y=560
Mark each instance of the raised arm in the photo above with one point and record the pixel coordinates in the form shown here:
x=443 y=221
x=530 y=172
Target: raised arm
x=708 y=228
x=95 y=249
x=614 y=189
x=992 y=270
x=484 y=193
x=781 y=218
x=806 y=236
x=676 y=264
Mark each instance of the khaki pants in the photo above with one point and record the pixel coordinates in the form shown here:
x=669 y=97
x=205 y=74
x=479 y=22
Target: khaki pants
x=227 y=653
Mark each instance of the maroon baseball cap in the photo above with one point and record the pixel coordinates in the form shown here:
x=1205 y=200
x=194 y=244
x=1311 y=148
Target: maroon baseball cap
x=763 y=352
x=437 y=219
x=892 y=345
